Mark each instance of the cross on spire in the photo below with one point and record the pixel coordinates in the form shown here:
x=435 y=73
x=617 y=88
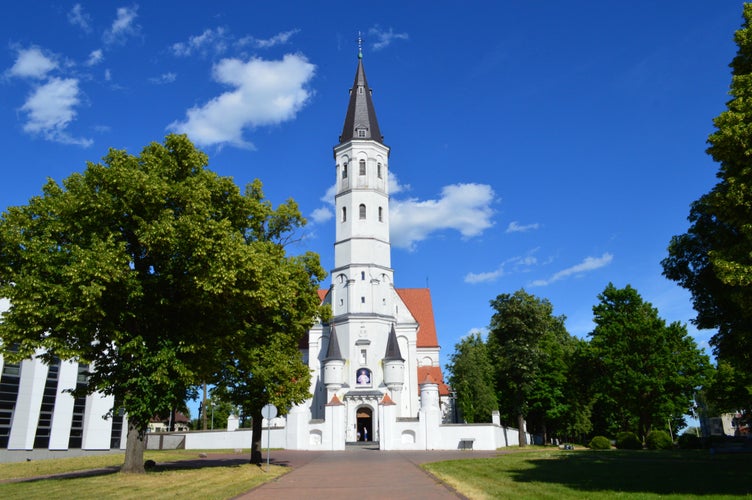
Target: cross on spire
x=360 y=45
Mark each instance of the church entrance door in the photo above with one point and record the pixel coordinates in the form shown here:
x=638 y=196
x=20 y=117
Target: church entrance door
x=364 y=418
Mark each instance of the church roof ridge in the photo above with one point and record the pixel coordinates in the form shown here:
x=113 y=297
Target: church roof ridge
x=418 y=302
x=360 y=119
x=333 y=352
x=392 y=347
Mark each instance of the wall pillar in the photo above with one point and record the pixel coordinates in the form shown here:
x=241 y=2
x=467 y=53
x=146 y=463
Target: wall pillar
x=23 y=428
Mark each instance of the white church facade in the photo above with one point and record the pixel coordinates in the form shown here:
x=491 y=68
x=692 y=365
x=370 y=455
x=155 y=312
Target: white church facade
x=375 y=369
x=375 y=365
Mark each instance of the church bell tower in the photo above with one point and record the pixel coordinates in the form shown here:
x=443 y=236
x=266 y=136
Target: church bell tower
x=361 y=248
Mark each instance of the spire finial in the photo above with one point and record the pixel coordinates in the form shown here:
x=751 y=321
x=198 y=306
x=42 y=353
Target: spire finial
x=360 y=45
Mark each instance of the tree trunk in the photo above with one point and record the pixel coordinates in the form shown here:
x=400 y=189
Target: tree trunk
x=544 y=431
x=256 y=446
x=134 y=450
x=521 y=430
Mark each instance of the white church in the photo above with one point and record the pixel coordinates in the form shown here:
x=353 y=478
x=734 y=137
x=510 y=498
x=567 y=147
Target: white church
x=376 y=376
x=375 y=366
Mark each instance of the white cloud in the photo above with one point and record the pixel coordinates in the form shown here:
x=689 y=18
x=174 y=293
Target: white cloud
x=395 y=186
x=51 y=108
x=278 y=39
x=265 y=93
x=384 y=38
x=329 y=195
x=77 y=17
x=588 y=264
x=517 y=265
x=463 y=207
x=123 y=26
x=164 y=78
x=321 y=215
x=211 y=40
x=32 y=63
x=515 y=227
x=107 y=75
x=96 y=57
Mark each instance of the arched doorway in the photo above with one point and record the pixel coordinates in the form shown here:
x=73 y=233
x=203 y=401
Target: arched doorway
x=364 y=418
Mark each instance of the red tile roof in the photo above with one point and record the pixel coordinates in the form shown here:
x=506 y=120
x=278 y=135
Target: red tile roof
x=433 y=374
x=387 y=401
x=418 y=301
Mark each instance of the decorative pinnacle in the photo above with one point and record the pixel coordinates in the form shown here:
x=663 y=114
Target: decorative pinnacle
x=360 y=45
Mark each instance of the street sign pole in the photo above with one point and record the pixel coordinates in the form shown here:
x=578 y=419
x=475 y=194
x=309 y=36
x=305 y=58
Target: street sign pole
x=268 y=412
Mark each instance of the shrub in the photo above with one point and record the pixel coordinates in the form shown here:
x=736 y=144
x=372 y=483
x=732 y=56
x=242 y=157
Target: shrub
x=600 y=443
x=659 y=440
x=628 y=441
x=689 y=442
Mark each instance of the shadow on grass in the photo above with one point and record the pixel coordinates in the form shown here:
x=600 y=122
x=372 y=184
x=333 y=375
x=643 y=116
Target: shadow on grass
x=189 y=464
x=643 y=472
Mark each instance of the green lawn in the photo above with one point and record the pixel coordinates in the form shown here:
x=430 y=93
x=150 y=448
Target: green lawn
x=194 y=479
x=600 y=474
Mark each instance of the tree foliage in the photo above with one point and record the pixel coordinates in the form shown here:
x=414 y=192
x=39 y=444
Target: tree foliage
x=730 y=391
x=528 y=346
x=472 y=379
x=155 y=271
x=713 y=259
x=646 y=372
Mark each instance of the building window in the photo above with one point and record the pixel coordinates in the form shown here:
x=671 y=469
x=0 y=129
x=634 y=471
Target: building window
x=362 y=300
x=344 y=214
x=381 y=214
x=361 y=133
x=363 y=357
x=360 y=90
x=362 y=164
x=344 y=170
x=362 y=275
x=378 y=170
x=362 y=211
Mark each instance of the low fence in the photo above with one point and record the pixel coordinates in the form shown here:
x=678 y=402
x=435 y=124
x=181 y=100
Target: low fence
x=214 y=440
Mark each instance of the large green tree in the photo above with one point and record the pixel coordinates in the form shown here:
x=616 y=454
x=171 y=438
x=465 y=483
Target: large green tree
x=713 y=259
x=646 y=372
x=523 y=339
x=472 y=379
x=152 y=269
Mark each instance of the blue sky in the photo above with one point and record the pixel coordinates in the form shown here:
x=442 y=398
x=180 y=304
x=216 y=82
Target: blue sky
x=554 y=146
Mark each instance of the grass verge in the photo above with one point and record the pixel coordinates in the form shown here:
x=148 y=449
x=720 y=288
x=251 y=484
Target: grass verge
x=186 y=476
x=589 y=474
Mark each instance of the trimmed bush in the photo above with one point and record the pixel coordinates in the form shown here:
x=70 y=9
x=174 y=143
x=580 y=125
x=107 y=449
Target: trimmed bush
x=659 y=440
x=628 y=441
x=690 y=442
x=600 y=443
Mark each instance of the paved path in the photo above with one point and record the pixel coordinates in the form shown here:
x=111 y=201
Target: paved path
x=358 y=473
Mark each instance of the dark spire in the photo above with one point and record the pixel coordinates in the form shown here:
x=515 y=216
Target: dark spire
x=360 y=120
x=333 y=351
x=392 y=347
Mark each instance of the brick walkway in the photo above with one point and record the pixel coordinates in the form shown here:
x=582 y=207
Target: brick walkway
x=358 y=473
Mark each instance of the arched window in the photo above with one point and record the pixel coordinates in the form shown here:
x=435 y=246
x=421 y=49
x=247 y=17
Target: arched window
x=344 y=170
x=362 y=209
x=378 y=170
x=344 y=214
x=381 y=214
x=362 y=164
